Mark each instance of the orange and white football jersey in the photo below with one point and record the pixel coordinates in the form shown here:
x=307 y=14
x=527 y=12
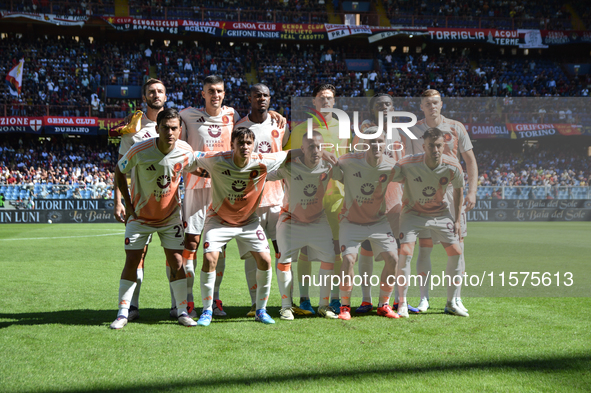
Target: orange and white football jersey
x=304 y=190
x=269 y=138
x=155 y=180
x=237 y=192
x=455 y=135
x=395 y=150
x=365 y=187
x=425 y=188
x=147 y=131
x=207 y=133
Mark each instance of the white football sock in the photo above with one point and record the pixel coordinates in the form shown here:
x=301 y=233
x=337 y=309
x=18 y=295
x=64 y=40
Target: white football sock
x=424 y=269
x=284 y=282
x=219 y=274
x=250 y=270
x=207 y=281
x=172 y=299
x=263 y=287
x=403 y=271
x=324 y=279
x=365 y=270
x=179 y=287
x=136 y=293
x=126 y=288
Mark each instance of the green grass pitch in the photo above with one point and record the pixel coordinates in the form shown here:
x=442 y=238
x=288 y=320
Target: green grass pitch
x=58 y=295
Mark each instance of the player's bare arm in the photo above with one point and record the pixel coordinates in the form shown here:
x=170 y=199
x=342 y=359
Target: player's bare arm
x=458 y=201
x=121 y=182
x=119 y=208
x=472 y=169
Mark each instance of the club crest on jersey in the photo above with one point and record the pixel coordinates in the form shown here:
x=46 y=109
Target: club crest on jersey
x=275 y=134
x=225 y=119
x=367 y=189
x=127 y=241
x=163 y=181
x=238 y=185
x=185 y=224
x=447 y=137
x=323 y=177
x=178 y=166
x=254 y=174
x=206 y=245
x=343 y=248
x=443 y=181
x=429 y=191
x=383 y=178
x=310 y=190
x=214 y=131
x=264 y=147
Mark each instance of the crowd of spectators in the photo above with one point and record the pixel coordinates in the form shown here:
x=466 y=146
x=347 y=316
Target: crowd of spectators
x=68 y=76
x=532 y=166
x=70 y=166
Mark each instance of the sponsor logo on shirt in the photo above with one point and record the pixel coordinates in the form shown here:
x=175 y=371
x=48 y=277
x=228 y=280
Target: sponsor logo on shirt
x=214 y=131
x=310 y=190
x=264 y=147
x=238 y=185
x=367 y=189
x=429 y=191
x=163 y=181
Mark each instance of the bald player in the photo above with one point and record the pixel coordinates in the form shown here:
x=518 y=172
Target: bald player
x=323 y=97
x=303 y=222
x=456 y=142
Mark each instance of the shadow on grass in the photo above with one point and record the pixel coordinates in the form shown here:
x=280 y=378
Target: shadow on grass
x=101 y=317
x=150 y=316
x=549 y=365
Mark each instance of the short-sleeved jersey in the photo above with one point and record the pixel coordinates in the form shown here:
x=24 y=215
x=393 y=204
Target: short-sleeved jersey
x=395 y=150
x=304 y=190
x=236 y=192
x=155 y=180
x=425 y=188
x=269 y=138
x=455 y=135
x=365 y=188
x=147 y=131
x=207 y=133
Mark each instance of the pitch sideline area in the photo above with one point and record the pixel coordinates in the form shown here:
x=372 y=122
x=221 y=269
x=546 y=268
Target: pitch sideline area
x=58 y=294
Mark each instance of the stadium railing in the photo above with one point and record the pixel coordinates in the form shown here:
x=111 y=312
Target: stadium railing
x=534 y=192
x=22 y=192
x=59 y=191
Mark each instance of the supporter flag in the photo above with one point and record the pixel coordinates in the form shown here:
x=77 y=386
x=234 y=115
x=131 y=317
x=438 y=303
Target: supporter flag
x=14 y=79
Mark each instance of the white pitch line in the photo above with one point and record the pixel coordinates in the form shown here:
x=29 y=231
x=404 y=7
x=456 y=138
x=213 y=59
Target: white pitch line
x=62 y=237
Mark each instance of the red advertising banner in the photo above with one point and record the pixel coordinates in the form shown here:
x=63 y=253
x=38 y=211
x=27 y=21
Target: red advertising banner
x=521 y=130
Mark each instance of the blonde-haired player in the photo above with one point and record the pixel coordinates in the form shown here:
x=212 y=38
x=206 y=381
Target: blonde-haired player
x=456 y=143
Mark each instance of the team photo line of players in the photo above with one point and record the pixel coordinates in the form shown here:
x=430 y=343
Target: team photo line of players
x=246 y=180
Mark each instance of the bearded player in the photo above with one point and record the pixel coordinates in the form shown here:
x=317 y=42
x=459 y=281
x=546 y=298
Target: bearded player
x=205 y=129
